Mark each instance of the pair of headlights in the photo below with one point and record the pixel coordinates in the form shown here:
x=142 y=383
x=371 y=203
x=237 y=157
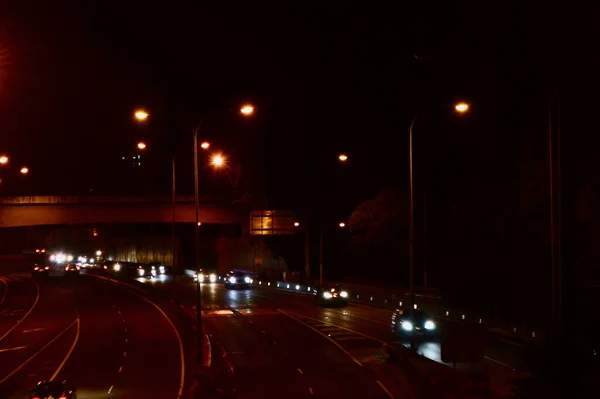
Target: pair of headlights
x=329 y=295
x=212 y=277
x=233 y=280
x=408 y=326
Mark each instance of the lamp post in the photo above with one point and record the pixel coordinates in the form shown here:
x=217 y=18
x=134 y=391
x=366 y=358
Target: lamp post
x=461 y=108
x=341 y=226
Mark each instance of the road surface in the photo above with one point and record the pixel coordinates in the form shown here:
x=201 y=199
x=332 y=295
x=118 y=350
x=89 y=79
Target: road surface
x=103 y=339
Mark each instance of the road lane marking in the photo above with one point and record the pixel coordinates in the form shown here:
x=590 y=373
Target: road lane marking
x=13 y=349
x=125 y=354
x=5 y=291
x=110 y=389
x=340 y=347
x=34 y=330
x=300 y=371
x=500 y=363
x=37 y=298
x=388 y=393
x=38 y=352
x=120 y=369
x=275 y=343
x=344 y=328
x=181 y=353
x=126 y=340
x=263 y=331
x=311 y=391
x=62 y=364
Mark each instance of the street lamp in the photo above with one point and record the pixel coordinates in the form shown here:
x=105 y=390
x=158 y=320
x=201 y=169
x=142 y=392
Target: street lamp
x=247 y=109
x=205 y=145
x=462 y=108
x=341 y=225
x=141 y=145
x=3 y=160
x=217 y=160
x=343 y=157
x=141 y=115
x=24 y=170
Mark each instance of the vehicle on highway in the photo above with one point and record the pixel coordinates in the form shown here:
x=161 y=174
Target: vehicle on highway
x=52 y=390
x=72 y=268
x=151 y=271
x=41 y=266
x=413 y=323
x=331 y=296
x=206 y=276
x=238 y=279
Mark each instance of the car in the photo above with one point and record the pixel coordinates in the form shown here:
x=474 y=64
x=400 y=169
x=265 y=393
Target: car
x=331 y=296
x=413 y=323
x=206 y=276
x=72 y=268
x=40 y=266
x=52 y=390
x=151 y=271
x=238 y=279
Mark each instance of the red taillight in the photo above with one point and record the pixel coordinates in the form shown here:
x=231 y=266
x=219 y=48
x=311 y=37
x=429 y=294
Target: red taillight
x=63 y=397
x=43 y=250
x=37 y=251
x=78 y=267
x=47 y=267
x=36 y=268
x=67 y=268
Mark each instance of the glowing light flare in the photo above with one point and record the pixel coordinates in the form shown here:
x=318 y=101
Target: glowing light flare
x=217 y=160
x=205 y=145
x=296 y=224
x=141 y=115
x=247 y=110
x=24 y=170
x=461 y=107
x=3 y=160
x=342 y=225
x=141 y=145
x=343 y=157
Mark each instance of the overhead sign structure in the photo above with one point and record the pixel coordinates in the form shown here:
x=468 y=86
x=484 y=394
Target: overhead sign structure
x=274 y=222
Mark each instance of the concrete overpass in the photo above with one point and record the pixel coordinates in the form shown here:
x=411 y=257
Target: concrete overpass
x=45 y=210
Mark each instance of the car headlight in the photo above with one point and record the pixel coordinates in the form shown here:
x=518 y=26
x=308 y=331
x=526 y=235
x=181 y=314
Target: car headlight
x=247 y=280
x=201 y=277
x=161 y=269
x=344 y=294
x=429 y=325
x=69 y=258
x=117 y=267
x=153 y=272
x=232 y=280
x=407 y=325
x=327 y=295
x=213 y=278
x=141 y=272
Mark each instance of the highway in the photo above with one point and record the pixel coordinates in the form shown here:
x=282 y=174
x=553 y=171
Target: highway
x=105 y=340
x=108 y=340
x=267 y=312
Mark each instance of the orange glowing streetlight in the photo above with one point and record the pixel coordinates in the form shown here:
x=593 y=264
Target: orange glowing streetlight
x=3 y=160
x=141 y=145
x=247 y=110
x=217 y=160
x=342 y=225
x=343 y=157
x=461 y=107
x=296 y=224
x=205 y=145
x=24 y=170
x=141 y=115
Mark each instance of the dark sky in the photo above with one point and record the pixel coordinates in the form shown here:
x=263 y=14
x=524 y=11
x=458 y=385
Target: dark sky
x=326 y=77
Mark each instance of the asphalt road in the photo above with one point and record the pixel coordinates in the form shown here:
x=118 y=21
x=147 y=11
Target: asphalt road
x=103 y=339
x=505 y=362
